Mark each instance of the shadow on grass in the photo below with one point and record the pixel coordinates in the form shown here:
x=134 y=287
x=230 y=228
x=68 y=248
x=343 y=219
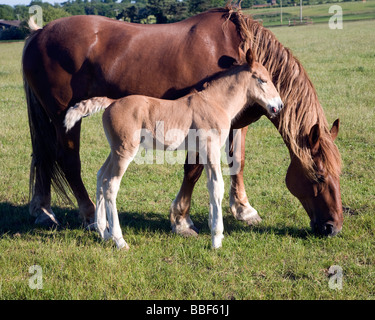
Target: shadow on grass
x=16 y=219
x=293 y=232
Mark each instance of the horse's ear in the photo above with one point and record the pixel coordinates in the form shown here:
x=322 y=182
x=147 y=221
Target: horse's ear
x=314 y=138
x=250 y=57
x=335 y=129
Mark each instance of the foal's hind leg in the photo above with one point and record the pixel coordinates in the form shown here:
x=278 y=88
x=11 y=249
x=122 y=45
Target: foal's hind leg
x=100 y=212
x=238 y=202
x=108 y=185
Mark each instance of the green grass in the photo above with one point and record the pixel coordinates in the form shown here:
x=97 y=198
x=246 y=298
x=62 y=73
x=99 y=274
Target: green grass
x=279 y=259
x=357 y=10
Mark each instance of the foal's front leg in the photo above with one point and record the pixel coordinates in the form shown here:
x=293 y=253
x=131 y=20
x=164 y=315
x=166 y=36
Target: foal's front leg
x=215 y=185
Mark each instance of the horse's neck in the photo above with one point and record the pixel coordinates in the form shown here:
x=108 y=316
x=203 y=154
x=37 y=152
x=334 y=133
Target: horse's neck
x=230 y=91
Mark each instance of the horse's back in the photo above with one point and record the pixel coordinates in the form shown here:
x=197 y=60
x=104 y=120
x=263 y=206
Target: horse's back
x=79 y=57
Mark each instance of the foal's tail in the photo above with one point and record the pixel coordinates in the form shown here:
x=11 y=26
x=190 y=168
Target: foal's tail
x=85 y=108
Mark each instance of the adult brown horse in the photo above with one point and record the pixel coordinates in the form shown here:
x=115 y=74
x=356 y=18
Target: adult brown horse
x=79 y=57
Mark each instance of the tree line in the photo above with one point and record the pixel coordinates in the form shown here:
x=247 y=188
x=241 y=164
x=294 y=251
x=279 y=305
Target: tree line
x=139 y=11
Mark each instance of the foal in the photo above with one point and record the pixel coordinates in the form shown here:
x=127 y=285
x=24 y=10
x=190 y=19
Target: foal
x=209 y=111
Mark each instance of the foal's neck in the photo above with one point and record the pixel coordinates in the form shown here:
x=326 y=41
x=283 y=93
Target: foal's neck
x=230 y=90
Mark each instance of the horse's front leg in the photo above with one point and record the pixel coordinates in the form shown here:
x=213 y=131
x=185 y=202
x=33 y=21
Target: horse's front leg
x=238 y=202
x=181 y=222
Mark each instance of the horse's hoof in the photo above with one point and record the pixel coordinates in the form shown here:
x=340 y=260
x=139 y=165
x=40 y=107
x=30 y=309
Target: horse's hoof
x=87 y=215
x=255 y=219
x=46 y=220
x=246 y=213
x=92 y=227
x=191 y=231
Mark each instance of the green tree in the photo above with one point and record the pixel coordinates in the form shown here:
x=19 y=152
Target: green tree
x=158 y=8
x=50 y=13
x=6 y=12
x=197 y=6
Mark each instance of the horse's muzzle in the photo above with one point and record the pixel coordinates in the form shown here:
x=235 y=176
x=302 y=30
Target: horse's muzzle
x=325 y=229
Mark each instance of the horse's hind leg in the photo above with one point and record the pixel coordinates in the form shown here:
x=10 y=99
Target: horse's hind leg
x=69 y=160
x=238 y=202
x=40 y=204
x=181 y=222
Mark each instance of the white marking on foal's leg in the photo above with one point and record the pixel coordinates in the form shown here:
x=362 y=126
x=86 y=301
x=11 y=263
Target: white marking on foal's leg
x=100 y=215
x=111 y=177
x=215 y=185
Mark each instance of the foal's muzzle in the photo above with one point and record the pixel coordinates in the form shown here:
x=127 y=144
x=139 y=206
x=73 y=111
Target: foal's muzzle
x=274 y=107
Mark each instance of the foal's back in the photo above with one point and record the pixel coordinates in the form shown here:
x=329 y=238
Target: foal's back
x=126 y=116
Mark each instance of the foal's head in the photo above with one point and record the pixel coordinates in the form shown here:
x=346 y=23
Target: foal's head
x=261 y=88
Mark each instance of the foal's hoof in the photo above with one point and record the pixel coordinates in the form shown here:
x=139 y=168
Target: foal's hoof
x=46 y=220
x=121 y=244
x=217 y=241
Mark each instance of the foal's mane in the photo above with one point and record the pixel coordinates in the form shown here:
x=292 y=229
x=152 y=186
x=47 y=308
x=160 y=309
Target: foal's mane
x=302 y=109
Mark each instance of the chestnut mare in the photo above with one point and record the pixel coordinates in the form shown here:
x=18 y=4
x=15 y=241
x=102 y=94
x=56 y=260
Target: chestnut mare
x=79 y=57
x=175 y=124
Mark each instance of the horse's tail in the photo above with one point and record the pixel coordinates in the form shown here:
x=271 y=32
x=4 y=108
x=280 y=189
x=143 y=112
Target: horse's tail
x=43 y=140
x=84 y=109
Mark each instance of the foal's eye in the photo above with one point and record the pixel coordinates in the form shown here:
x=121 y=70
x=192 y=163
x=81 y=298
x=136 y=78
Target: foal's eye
x=260 y=81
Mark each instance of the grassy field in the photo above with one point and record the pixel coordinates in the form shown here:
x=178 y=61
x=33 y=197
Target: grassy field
x=279 y=259
x=357 y=10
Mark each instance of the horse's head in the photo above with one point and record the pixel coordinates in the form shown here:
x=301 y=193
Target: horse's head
x=321 y=196
x=262 y=89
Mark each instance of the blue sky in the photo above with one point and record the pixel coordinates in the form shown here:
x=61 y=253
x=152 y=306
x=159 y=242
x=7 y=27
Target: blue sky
x=26 y=2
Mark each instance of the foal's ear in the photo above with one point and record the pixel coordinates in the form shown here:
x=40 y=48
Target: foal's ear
x=250 y=58
x=335 y=129
x=314 y=138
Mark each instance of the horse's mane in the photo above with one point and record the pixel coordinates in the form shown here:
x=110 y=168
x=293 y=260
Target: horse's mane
x=302 y=109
